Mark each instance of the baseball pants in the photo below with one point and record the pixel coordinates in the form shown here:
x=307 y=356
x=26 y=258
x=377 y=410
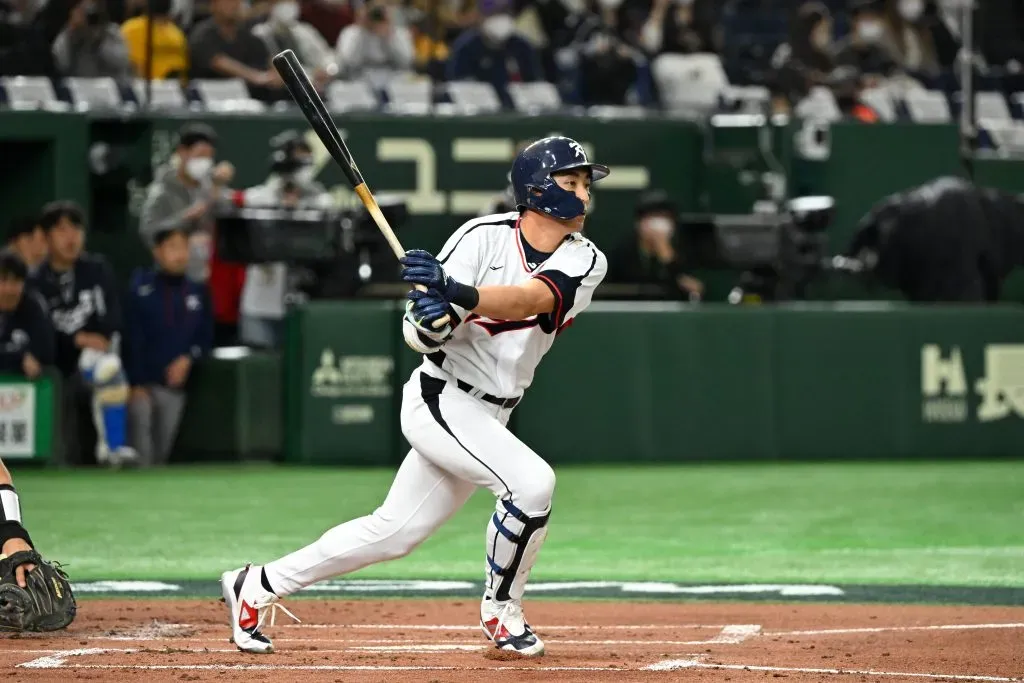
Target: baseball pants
x=153 y=424
x=459 y=442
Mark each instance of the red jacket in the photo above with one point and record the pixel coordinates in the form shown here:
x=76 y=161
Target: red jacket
x=226 y=281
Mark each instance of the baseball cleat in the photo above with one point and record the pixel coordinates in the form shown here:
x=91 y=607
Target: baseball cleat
x=505 y=625
x=248 y=603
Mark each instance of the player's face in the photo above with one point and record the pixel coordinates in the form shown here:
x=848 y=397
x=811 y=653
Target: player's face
x=32 y=247
x=66 y=240
x=10 y=292
x=172 y=254
x=578 y=182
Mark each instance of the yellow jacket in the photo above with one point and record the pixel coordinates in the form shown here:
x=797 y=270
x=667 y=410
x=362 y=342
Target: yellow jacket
x=170 y=48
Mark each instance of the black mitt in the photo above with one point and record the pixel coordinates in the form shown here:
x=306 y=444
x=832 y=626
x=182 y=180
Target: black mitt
x=47 y=604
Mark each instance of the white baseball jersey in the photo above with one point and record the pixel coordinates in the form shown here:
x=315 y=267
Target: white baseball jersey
x=499 y=357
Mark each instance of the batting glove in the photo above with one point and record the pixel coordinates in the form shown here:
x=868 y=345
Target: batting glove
x=422 y=268
x=422 y=312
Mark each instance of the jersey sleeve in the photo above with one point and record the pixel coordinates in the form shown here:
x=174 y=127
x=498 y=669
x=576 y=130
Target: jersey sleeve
x=572 y=276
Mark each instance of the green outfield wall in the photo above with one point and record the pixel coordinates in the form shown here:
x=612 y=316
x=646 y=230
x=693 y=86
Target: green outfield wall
x=663 y=382
x=448 y=167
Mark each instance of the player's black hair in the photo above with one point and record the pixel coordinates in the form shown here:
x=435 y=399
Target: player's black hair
x=63 y=208
x=19 y=226
x=654 y=201
x=165 y=235
x=12 y=267
x=194 y=133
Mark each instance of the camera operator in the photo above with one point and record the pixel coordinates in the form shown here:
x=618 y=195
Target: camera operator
x=268 y=287
x=944 y=241
x=650 y=256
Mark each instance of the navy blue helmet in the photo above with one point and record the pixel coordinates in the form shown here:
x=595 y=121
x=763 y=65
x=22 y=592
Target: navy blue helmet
x=533 y=185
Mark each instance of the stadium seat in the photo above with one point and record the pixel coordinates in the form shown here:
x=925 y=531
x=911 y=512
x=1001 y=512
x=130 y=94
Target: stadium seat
x=1017 y=99
x=31 y=92
x=820 y=105
x=409 y=96
x=345 y=96
x=689 y=83
x=164 y=94
x=927 y=106
x=1007 y=136
x=745 y=99
x=991 y=105
x=224 y=95
x=93 y=93
x=881 y=101
x=534 y=98
x=473 y=97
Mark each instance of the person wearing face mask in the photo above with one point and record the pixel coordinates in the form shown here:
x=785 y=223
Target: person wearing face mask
x=186 y=194
x=909 y=39
x=494 y=52
x=650 y=256
x=866 y=48
x=170 y=46
x=805 y=59
x=681 y=27
x=283 y=31
x=90 y=46
x=374 y=48
x=269 y=287
x=224 y=46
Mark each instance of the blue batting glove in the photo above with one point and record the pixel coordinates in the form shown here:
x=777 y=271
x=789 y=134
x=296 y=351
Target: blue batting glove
x=422 y=268
x=426 y=308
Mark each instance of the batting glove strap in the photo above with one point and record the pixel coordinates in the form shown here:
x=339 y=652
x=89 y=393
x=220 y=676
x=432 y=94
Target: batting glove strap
x=466 y=296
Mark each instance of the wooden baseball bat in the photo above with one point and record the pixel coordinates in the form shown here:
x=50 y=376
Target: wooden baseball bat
x=312 y=107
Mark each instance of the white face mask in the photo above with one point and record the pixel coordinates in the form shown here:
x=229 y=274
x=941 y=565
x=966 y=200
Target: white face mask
x=870 y=30
x=285 y=12
x=911 y=10
x=659 y=224
x=498 y=27
x=198 y=168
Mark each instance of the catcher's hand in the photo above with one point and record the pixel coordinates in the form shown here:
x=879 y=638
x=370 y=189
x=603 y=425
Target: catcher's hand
x=46 y=603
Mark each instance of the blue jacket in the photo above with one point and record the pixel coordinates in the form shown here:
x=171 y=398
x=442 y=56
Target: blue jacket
x=167 y=316
x=473 y=59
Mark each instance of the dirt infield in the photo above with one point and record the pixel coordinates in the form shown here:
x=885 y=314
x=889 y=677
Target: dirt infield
x=431 y=640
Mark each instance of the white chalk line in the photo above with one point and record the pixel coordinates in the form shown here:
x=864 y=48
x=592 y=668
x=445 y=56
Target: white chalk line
x=332 y=667
x=895 y=629
x=679 y=664
x=476 y=627
x=59 y=661
x=179 y=644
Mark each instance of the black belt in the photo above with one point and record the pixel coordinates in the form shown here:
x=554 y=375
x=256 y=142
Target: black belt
x=503 y=402
x=437 y=358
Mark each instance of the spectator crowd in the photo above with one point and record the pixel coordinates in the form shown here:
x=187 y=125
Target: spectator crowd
x=595 y=51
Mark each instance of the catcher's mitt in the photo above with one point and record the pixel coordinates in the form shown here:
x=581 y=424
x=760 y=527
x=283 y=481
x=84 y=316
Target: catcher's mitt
x=46 y=604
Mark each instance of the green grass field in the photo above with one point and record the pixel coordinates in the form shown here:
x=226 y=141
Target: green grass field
x=903 y=523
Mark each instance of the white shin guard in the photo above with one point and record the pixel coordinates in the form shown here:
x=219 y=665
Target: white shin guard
x=513 y=544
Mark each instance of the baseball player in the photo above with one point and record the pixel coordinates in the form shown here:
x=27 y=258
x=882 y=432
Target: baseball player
x=508 y=284
x=34 y=594
x=83 y=302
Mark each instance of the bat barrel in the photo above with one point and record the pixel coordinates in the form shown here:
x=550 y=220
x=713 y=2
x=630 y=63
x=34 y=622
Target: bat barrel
x=315 y=111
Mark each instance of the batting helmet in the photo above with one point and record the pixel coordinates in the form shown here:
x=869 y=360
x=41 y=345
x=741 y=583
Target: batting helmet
x=533 y=186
